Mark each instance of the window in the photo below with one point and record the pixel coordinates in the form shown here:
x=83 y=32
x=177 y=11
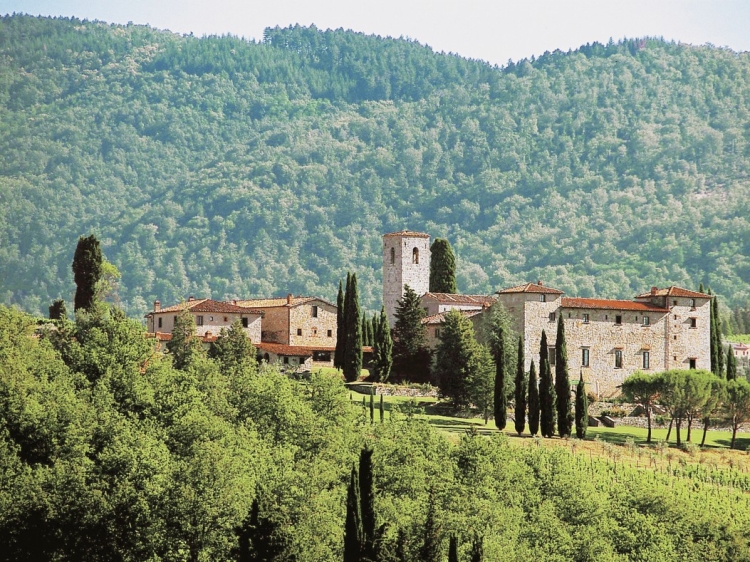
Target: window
x=159 y=322
x=415 y=255
x=585 y=317
x=606 y=316
x=692 y=363
x=693 y=322
x=646 y=321
x=210 y=318
x=674 y=303
x=286 y=360
x=330 y=333
x=393 y=255
x=226 y=319
x=675 y=317
x=585 y=357
x=199 y=320
x=618 y=319
x=437 y=332
x=299 y=331
x=542 y=298
x=321 y=356
x=175 y=320
x=314 y=331
x=618 y=358
x=552 y=316
x=692 y=303
x=551 y=355
x=244 y=322
x=646 y=359
x=675 y=337
x=314 y=311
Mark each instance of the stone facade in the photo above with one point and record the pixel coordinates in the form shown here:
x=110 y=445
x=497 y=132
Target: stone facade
x=406 y=261
x=210 y=317
x=608 y=340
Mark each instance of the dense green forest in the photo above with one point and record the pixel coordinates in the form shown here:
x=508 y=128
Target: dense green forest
x=227 y=168
x=110 y=453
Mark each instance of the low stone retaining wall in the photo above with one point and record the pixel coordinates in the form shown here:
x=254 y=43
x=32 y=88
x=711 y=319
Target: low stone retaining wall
x=391 y=390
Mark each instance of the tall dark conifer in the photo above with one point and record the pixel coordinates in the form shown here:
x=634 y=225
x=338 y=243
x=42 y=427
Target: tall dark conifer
x=382 y=351
x=717 y=331
x=453 y=549
x=533 y=401
x=353 y=327
x=338 y=357
x=353 y=532
x=731 y=365
x=520 y=390
x=430 y=551
x=582 y=409
x=367 y=499
x=500 y=400
x=562 y=382
x=442 y=267
x=87 y=270
x=546 y=391
x=411 y=354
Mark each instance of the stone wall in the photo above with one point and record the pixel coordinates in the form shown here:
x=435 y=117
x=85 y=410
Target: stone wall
x=276 y=324
x=401 y=270
x=213 y=322
x=314 y=330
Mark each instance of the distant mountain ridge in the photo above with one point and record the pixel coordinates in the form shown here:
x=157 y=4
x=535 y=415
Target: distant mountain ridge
x=225 y=168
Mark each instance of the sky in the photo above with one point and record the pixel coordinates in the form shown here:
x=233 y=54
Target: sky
x=492 y=30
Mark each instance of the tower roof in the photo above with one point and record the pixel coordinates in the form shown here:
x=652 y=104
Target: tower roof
x=407 y=234
x=537 y=287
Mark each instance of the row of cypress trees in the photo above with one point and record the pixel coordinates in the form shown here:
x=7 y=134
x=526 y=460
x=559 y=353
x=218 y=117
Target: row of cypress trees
x=546 y=400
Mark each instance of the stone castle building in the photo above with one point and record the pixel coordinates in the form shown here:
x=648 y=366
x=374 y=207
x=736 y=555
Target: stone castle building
x=607 y=339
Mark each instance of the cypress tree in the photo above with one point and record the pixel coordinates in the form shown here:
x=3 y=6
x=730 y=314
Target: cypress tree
x=58 y=310
x=87 y=270
x=500 y=400
x=367 y=499
x=562 y=383
x=353 y=532
x=533 y=401
x=546 y=391
x=382 y=411
x=372 y=406
x=731 y=364
x=338 y=357
x=365 y=334
x=582 y=409
x=430 y=551
x=453 y=549
x=353 y=350
x=256 y=537
x=717 y=327
x=520 y=390
x=442 y=267
x=382 y=351
x=477 y=551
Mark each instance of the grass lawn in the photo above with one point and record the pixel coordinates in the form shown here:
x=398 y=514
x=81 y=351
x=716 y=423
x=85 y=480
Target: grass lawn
x=630 y=442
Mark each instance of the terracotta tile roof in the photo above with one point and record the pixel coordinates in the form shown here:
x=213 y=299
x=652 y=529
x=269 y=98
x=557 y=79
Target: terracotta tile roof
x=740 y=346
x=440 y=317
x=206 y=305
x=299 y=350
x=478 y=300
x=531 y=288
x=275 y=302
x=610 y=304
x=675 y=292
x=408 y=233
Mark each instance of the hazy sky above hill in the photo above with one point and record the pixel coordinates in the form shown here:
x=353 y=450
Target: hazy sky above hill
x=492 y=30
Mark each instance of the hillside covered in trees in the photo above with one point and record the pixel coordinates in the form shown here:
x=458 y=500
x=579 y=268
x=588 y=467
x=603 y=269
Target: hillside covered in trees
x=225 y=168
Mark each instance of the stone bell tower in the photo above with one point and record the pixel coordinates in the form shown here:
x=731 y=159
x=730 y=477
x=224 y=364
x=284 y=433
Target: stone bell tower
x=406 y=261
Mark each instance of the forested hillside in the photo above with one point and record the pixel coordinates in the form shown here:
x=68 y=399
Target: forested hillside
x=225 y=168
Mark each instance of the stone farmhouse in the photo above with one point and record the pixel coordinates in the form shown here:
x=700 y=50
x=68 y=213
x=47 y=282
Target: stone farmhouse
x=607 y=339
x=296 y=331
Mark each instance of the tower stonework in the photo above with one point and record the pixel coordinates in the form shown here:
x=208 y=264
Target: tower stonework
x=406 y=261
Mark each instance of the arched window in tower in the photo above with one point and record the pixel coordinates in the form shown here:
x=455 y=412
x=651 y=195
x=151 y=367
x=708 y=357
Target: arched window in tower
x=393 y=255
x=415 y=255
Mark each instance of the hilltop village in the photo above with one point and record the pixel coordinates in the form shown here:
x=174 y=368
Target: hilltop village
x=607 y=339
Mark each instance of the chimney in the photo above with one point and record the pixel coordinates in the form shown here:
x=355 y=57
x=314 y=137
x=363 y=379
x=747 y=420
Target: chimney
x=653 y=290
x=234 y=302
x=289 y=298
x=539 y=282
x=207 y=334
x=191 y=298
x=157 y=306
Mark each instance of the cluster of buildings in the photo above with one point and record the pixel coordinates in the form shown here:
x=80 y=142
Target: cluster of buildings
x=607 y=340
